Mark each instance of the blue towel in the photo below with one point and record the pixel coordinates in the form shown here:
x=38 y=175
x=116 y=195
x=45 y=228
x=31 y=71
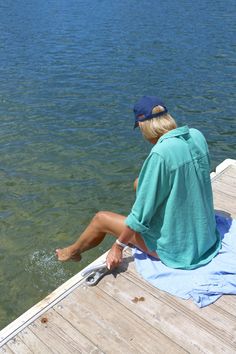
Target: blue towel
x=203 y=285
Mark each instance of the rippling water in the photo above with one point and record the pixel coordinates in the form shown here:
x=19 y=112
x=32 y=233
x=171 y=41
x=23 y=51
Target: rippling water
x=70 y=73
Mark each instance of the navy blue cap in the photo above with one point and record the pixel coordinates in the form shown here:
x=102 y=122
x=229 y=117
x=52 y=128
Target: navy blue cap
x=143 y=109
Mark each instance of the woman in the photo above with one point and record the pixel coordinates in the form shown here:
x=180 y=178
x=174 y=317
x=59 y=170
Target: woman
x=173 y=217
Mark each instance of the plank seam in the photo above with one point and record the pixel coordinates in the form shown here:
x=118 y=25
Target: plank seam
x=174 y=304
x=84 y=335
x=35 y=334
x=143 y=319
x=39 y=313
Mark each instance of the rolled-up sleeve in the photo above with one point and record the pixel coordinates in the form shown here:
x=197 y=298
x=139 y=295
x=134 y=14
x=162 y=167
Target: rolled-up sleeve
x=153 y=188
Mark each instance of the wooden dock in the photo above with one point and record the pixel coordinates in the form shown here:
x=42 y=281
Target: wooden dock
x=125 y=314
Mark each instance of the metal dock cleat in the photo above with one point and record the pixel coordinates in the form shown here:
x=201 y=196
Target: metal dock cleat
x=93 y=274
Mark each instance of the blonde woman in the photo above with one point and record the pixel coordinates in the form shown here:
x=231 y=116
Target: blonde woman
x=173 y=217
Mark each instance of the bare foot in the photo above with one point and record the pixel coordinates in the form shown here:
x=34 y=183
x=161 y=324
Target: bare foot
x=67 y=254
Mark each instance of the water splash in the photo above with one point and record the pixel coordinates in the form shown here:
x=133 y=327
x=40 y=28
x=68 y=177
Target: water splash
x=43 y=268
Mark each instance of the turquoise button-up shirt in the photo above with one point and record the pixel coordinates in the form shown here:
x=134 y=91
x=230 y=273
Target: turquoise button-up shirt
x=173 y=210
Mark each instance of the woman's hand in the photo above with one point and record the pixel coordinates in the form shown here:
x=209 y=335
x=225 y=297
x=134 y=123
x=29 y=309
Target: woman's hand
x=114 y=256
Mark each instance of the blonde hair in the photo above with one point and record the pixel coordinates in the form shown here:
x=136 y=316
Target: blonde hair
x=154 y=128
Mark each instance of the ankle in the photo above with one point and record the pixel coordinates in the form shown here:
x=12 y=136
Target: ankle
x=74 y=249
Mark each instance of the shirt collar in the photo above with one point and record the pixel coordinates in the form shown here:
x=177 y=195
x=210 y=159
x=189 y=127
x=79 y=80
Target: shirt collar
x=174 y=133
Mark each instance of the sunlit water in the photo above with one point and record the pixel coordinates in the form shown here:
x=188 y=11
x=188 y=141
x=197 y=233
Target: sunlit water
x=70 y=72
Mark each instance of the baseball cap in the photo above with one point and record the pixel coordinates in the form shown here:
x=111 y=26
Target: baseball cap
x=143 y=109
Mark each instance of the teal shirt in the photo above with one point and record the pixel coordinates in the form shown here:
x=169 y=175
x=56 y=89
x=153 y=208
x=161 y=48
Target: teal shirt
x=173 y=210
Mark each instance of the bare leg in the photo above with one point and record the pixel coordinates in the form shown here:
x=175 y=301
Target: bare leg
x=103 y=222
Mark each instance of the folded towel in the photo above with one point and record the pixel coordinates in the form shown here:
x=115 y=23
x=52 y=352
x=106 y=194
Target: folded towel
x=203 y=285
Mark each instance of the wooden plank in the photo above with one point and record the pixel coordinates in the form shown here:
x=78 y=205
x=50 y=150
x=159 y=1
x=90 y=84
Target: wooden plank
x=221 y=323
x=224 y=187
x=60 y=335
x=231 y=170
x=228 y=304
x=226 y=167
x=227 y=176
x=34 y=312
x=191 y=331
x=33 y=342
x=223 y=202
x=18 y=347
x=227 y=193
x=5 y=350
x=117 y=330
x=226 y=182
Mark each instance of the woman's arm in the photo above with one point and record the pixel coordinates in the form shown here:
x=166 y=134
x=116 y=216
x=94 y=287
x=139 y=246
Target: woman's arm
x=153 y=189
x=135 y=184
x=114 y=256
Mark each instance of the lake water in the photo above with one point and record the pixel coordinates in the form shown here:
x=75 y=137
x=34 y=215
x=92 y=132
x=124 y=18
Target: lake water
x=70 y=72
